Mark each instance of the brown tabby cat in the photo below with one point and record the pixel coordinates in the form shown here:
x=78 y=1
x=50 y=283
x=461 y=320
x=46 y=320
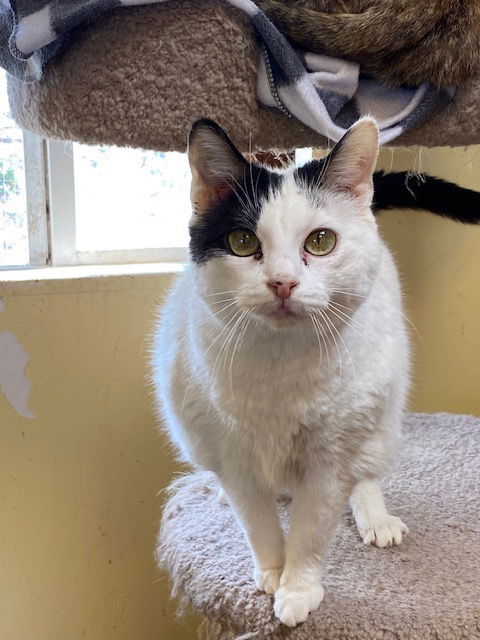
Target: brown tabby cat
x=397 y=41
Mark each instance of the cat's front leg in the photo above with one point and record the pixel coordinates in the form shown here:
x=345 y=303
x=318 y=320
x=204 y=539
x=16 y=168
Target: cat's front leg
x=316 y=508
x=256 y=509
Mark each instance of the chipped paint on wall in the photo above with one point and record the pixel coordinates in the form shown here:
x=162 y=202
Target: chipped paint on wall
x=13 y=378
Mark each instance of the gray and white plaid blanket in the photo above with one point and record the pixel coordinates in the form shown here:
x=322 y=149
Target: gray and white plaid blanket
x=325 y=93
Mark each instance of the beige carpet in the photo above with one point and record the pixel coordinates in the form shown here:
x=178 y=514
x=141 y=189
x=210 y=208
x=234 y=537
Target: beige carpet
x=140 y=76
x=426 y=589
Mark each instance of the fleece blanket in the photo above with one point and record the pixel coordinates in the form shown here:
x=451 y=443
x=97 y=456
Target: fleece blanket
x=325 y=93
x=428 y=588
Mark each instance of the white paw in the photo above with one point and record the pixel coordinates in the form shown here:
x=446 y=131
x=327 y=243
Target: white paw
x=267 y=579
x=292 y=607
x=386 y=532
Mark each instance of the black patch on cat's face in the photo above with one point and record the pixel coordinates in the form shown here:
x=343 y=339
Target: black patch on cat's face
x=234 y=211
x=310 y=173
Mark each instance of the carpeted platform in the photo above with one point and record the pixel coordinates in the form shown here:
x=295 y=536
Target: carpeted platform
x=140 y=76
x=426 y=589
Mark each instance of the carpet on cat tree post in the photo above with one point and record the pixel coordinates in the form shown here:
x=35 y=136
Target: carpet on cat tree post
x=428 y=588
x=140 y=76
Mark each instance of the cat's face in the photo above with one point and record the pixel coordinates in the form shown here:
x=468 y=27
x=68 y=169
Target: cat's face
x=283 y=247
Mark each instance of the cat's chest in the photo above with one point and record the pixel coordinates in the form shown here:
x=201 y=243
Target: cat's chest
x=283 y=436
x=273 y=393
x=278 y=410
x=263 y=388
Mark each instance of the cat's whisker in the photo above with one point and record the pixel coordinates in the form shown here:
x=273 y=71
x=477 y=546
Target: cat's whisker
x=342 y=319
x=211 y=345
x=218 y=312
x=245 y=189
x=186 y=391
x=324 y=342
x=328 y=323
x=345 y=346
x=348 y=293
x=225 y=327
x=319 y=326
x=238 y=341
x=321 y=175
x=219 y=293
x=334 y=305
x=214 y=303
x=225 y=297
x=324 y=346
x=259 y=171
x=246 y=327
x=220 y=354
x=229 y=326
x=413 y=326
x=312 y=318
x=247 y=204
x=255 y=200
x=223 y=351
x=342 y=306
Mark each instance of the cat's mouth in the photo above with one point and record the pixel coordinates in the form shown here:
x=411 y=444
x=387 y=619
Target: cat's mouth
x=280 y=310
x=283 y=310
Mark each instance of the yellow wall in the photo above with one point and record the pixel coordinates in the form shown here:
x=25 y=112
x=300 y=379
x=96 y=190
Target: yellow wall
x=440 y=267
x=79 y=504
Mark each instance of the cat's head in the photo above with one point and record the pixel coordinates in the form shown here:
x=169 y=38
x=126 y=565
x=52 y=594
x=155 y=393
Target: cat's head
x=283 y=246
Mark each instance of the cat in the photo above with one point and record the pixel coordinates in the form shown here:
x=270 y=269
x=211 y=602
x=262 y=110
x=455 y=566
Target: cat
x=281 y=359
x=396 y=41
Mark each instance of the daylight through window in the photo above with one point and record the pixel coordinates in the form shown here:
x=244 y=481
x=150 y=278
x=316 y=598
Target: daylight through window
x=13 y=207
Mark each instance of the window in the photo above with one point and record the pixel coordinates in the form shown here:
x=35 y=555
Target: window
x=110 y=204
x=143 y=195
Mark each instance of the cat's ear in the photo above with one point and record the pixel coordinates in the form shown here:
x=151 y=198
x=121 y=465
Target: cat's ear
x=350 y=165
x=215 y=162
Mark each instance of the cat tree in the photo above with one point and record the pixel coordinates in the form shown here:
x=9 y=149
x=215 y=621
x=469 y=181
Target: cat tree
x=140 y=76
x=425 y=589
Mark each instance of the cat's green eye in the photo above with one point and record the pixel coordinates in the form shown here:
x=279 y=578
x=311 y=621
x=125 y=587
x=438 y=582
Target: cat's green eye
x=243 y=243
x=320 y=242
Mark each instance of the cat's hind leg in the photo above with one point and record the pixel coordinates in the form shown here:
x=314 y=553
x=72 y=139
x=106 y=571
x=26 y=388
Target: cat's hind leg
x=375 y=525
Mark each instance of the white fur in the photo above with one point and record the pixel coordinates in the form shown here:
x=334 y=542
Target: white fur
x=271 y=403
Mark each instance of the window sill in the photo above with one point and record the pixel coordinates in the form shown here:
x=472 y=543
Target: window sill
x=35 y=274
x=85 y=278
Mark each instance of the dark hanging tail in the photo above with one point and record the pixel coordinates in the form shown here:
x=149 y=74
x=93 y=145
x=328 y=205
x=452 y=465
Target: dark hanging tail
x=405 y=190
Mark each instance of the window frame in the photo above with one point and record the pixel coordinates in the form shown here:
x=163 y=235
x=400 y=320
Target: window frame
x=36 y=199
x=63 y=250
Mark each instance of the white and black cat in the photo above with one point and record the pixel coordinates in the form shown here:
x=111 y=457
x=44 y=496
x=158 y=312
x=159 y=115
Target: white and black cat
x=281 y=360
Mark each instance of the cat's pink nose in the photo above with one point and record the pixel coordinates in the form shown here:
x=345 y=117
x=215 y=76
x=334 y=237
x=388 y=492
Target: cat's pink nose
x=283 y=289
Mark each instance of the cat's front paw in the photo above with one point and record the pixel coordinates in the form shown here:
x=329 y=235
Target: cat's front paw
x=293 y=606
x=386 y=532
x=267 y=579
